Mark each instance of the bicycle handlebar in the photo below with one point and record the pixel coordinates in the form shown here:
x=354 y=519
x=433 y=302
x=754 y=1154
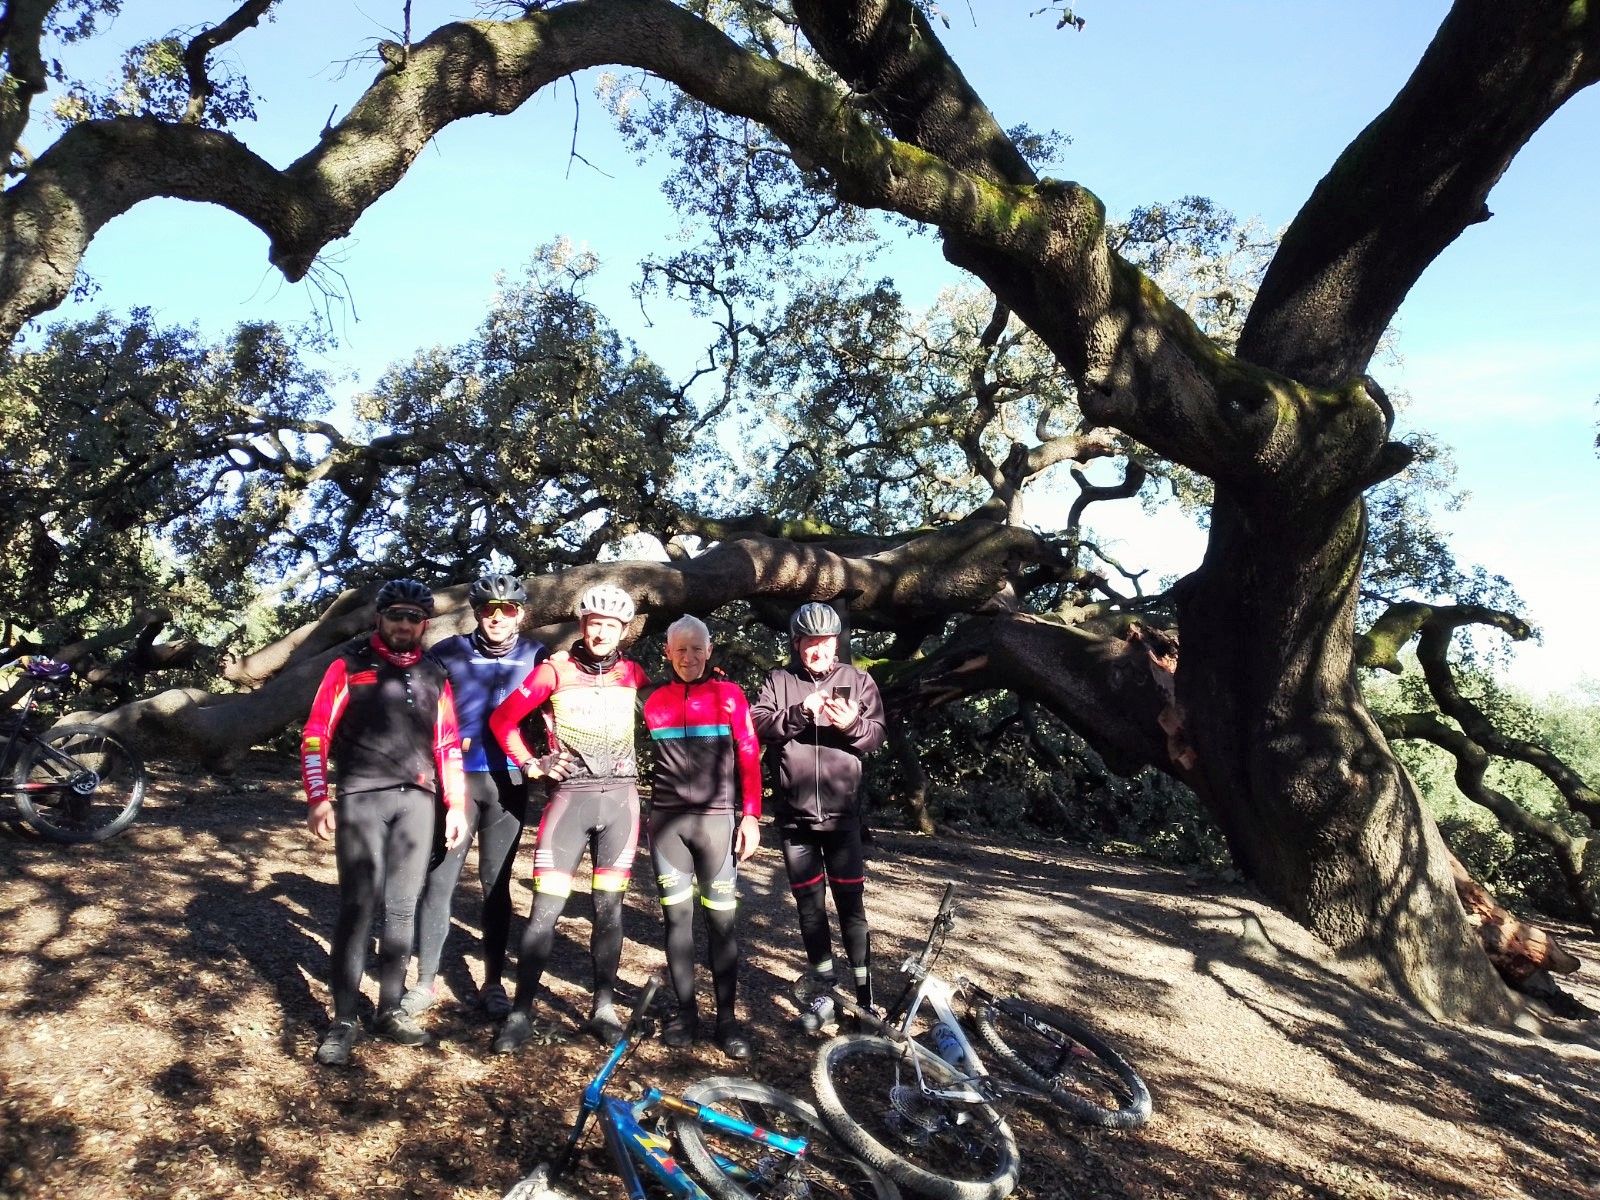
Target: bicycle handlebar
x=942 y=922
x=636 y=1018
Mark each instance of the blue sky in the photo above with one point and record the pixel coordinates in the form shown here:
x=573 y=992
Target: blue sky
x=1247 y=103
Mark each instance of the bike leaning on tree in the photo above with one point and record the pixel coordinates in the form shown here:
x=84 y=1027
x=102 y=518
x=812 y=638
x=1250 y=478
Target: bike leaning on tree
x=71 y=783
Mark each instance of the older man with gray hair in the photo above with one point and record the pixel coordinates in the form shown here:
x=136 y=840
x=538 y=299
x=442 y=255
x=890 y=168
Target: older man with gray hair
x=705 y=806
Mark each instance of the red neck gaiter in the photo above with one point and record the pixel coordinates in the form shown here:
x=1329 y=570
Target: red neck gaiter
x=397 y=658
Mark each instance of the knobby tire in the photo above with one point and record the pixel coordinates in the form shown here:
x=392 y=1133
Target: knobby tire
x=963 y=1151
x=1083 y=1076
x=60 y=814
x=831 y=1172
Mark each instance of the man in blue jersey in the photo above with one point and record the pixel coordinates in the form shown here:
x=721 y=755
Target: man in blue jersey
x=484 y=666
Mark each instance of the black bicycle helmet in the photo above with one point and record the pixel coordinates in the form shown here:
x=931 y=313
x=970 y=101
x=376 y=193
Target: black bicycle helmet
x=815 y=620
x=505 y=588
x=405 y=591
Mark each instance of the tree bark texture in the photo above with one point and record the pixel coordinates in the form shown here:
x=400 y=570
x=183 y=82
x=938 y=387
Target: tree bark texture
x=1311 y=799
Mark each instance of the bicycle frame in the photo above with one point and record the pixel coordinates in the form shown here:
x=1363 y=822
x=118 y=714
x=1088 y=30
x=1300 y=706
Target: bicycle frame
x=976 y=1085
x=633 y=1147
x=81 y=780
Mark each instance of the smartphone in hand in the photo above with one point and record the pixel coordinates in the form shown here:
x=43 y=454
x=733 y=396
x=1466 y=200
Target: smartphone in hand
x=841 y=691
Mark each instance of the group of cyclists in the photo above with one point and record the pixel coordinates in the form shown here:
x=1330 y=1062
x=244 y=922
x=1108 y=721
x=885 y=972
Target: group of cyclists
x=411 y=754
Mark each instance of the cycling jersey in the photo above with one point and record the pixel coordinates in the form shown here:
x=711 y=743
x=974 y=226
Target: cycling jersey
x=388 y=719
x=706 y=755
x=588 y=709
x=479 y=681
x=816 y=768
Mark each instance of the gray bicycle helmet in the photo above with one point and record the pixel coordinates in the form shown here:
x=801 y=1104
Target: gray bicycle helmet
x=405 y=591
x=505 y=588
x=815 y=620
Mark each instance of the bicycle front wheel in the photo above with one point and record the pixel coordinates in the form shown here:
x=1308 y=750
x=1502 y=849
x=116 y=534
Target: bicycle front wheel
x=1083 y=1076
x=731 y=1167
x=868 y=1093
x=78 y=783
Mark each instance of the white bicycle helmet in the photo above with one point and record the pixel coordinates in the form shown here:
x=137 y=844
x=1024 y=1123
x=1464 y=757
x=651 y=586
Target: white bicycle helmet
x=606 y=600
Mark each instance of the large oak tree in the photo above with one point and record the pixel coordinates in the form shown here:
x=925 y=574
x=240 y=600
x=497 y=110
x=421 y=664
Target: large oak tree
x=1266 y=721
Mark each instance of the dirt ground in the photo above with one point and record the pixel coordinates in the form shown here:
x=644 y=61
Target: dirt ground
x=161 y=997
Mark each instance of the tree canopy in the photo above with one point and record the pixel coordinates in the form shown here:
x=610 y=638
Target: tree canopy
x=892 y=445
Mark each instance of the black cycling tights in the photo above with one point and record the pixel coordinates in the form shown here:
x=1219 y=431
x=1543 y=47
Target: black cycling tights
x=500 y=807
x=689 y=847
x=604 y=818
x=382 y=840
x=832 y=857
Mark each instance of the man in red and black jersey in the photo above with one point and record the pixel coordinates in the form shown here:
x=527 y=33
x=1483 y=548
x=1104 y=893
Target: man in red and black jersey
x=588 y=697
x=704 y=815
x=385 y=714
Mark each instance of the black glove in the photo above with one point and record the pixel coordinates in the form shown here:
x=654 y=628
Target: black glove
x=555 y=766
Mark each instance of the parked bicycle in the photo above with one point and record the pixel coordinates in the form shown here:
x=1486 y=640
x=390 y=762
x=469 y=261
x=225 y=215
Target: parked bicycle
x=921 y=1108
x=72 y=783
x=741 y=1139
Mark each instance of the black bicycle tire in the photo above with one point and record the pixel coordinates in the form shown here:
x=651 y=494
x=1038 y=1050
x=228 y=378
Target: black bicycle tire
x=40 y=820
x=1131 y=1114
x=882 y=1157
x=717 y=1091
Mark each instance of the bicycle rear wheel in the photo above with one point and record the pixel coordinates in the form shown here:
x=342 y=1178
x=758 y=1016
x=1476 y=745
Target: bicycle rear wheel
x=867 y=1092
x=1083 y=1076
x=733 y=1168
x=78 y=783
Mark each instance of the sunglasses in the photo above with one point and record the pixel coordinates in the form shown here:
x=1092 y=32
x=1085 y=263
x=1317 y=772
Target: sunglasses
x=500 y=608
x=411 y=616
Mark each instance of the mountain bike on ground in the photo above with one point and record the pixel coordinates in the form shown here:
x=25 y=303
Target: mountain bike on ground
x=920 y=1107
x=742 y=1141
x=71 y=783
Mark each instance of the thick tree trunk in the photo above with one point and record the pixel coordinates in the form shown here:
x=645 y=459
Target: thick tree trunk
x=1312 y=801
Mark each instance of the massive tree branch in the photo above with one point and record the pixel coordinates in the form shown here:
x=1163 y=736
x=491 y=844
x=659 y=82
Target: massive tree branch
x=1109 y=679
x=1141 y=362
x=895 y=65
x=23 y=75
x=962 y=568
x=1414 y=179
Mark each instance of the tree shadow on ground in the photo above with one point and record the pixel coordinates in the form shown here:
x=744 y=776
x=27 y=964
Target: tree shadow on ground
x=161 y=996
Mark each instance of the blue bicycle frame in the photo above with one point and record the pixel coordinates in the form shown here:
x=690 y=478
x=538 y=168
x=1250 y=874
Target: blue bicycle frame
x=631 y=1143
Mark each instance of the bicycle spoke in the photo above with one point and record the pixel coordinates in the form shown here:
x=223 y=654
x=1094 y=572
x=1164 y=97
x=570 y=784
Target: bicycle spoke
x=875 y=1084
x=1075 y=1067
x=78 y=783
x=828 y=1172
